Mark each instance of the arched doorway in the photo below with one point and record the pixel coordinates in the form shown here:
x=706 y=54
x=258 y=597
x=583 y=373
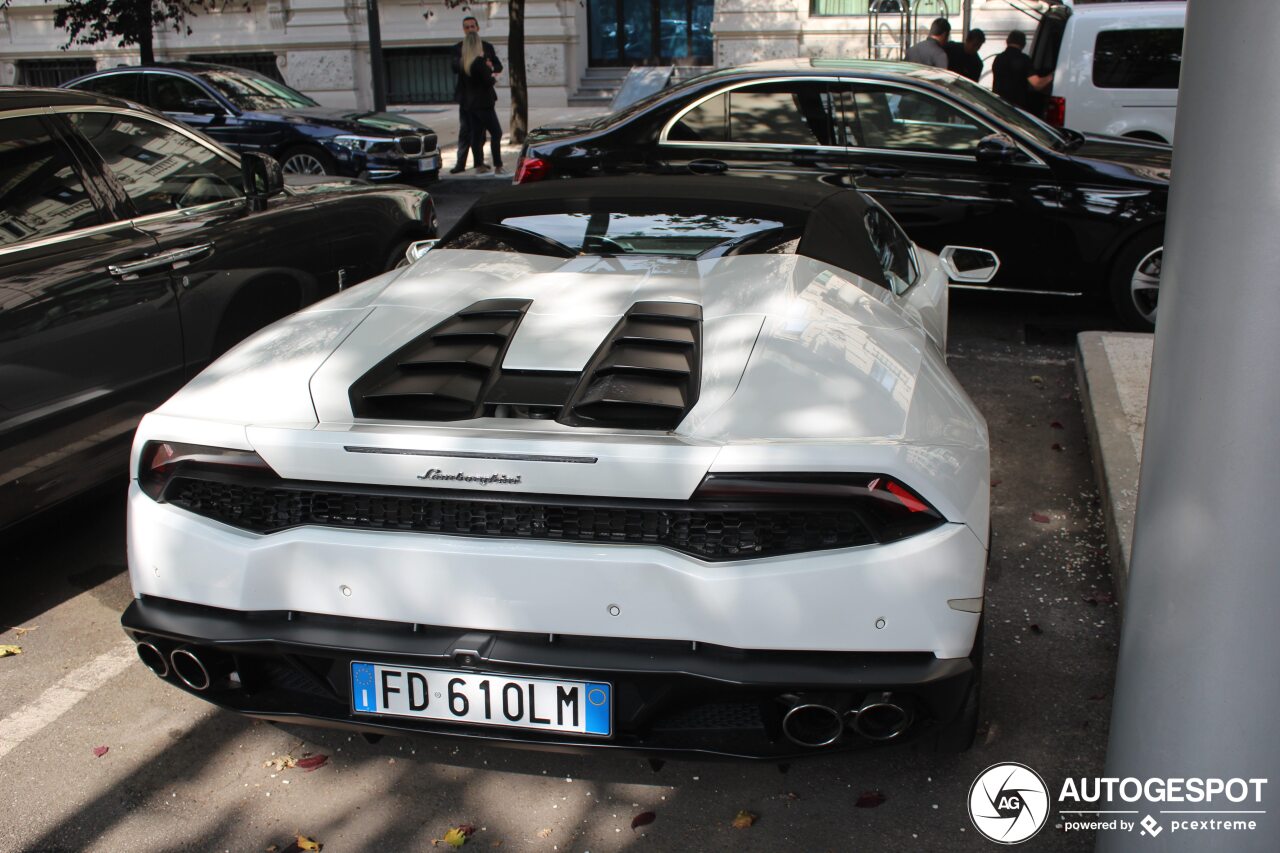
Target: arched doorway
x=649 y=32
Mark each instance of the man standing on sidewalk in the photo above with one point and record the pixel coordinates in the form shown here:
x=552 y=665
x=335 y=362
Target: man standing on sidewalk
x=469 y=25
x=931 y=51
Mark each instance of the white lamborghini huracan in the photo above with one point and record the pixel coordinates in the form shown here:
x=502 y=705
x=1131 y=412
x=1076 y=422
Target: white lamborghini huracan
x=667 y=464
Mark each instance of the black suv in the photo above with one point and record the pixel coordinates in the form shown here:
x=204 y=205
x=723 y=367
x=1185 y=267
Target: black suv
x=131 y=254
x=247 y=111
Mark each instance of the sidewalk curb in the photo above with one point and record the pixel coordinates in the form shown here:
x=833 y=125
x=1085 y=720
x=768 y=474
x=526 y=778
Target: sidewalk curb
x=1115 y=460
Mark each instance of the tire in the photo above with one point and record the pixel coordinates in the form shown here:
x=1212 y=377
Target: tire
x=1135 y=281
x=307 y=160
x=397 y=258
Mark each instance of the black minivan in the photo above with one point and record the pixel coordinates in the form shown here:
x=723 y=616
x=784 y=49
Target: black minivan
x=132 y=252
x=247 y=111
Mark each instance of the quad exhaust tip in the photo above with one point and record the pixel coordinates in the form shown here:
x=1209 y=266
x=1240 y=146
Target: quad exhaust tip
x=190 y=669
x=880 y=718
x=812 y=725
x=152 y=658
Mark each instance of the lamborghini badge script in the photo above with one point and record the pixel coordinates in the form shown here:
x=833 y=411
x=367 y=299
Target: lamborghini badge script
x=436 y=475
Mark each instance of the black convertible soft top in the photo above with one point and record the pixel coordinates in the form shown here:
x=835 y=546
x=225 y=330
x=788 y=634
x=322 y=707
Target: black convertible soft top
x=831 y=218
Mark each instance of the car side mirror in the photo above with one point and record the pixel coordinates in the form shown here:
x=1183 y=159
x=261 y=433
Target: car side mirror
x=419 y=248
x=997 y=149
x=206 y=106
x=263 y=178
x=968 y=265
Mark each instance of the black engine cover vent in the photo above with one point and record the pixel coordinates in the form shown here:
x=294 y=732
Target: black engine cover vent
x=645 y=375
x=444 y=373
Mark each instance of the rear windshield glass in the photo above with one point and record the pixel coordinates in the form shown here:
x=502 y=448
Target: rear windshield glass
x=1138 y=59
x=676 y=235
x=254 y=92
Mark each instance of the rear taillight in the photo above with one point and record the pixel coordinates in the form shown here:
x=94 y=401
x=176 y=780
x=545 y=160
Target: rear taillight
x=1055 y=112
x=888 y=509
x=530 y=169
x=160 y=460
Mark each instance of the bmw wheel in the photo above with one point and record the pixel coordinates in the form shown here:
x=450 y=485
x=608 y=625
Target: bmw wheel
x=307 y=160
x=1135 y=282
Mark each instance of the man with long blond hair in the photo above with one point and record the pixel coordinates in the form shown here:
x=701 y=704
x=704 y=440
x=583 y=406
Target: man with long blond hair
x=469 y=25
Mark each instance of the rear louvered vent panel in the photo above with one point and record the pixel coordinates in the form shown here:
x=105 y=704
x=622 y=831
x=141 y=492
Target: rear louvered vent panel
x=443 y=374
x=646 y=373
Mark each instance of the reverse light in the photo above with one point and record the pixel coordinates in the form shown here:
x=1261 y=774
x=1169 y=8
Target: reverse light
x=889 y=509
x=160 y=460
x=531 y=169
x=1055 y=112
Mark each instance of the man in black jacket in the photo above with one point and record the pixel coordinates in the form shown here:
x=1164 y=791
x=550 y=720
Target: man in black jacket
x=469 y=25
x=1013 y=78
x=963 y=58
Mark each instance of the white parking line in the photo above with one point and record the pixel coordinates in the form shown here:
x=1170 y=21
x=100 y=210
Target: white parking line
x=62 y=697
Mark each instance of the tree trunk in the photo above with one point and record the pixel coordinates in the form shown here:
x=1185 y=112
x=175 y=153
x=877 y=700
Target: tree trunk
x=146 y=36
x=515 y=64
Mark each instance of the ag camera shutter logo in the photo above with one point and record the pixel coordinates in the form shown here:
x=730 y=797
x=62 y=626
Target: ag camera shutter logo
x=1009 y=803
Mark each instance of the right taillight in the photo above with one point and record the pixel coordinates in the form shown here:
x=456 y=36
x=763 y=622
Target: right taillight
x=160 y=460
x=530 y=169
x=1055 y=112
x=886 y=507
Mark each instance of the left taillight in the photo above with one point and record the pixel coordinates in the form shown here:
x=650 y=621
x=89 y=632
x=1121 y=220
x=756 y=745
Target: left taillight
x=531 y=169
x=160 y=460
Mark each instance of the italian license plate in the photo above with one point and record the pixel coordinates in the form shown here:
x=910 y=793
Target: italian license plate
x=541 y=704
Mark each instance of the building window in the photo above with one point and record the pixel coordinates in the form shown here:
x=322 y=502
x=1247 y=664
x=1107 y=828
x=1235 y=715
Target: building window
x=420 y=75
x=855 y=7
x=52 y=72
x=263 y=63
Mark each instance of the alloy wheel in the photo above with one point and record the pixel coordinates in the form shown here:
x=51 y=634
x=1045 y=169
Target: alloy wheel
x=1144 y=284
x=303 y=164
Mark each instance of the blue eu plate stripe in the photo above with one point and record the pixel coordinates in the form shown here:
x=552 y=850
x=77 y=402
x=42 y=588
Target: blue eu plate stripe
x=598 y=703
x=362 y=695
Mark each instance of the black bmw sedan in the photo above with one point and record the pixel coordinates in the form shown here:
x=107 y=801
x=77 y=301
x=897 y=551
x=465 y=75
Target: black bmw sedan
x=133 y=251
x=247 y=111
x=1068 y=213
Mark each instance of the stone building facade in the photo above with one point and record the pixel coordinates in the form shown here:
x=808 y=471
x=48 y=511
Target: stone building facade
x=321 y=46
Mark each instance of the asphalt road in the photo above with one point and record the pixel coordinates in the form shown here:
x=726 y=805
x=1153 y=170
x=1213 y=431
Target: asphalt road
x=180 y=775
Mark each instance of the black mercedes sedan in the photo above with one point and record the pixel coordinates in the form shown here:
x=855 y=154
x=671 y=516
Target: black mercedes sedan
x=247 y=111
x=133 y=251
x=1068 y=213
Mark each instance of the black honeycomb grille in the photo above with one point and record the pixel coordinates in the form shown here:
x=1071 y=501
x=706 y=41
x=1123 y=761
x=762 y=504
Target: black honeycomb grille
x=714 y=532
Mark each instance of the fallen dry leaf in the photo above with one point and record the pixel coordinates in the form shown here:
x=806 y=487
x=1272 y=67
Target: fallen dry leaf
x=309 y=845
x=99 y=751
x=1039 y=380
x=870 y=799
x=19 y=632
x=311 y=762
x=1057 y=446
x=1040 y=518
x=458 y=836
x=745 y=819
x=544 y=833
x=1097 y=598
x=5 y=651
x=1035 y=629
x=642 y=819
x=1056 y=425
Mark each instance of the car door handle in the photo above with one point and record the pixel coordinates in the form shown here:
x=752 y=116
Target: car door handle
x=164 y=259
x=708 y=167
x=883 y=171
